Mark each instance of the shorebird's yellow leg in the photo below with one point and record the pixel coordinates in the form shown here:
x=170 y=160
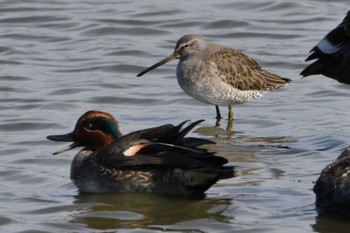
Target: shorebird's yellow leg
x=230 y=113
x=230 y=118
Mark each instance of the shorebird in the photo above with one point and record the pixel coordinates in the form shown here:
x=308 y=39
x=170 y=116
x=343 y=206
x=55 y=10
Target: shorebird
x=219 y=75
x=332 y=54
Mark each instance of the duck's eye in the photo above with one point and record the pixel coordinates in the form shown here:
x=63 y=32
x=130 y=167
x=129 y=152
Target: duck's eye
x=90 y=126
x=187 y=45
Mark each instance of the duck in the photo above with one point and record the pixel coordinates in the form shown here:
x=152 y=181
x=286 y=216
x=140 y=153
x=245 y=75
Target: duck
x=332 y=188
x=332 y=54
x=160 y=160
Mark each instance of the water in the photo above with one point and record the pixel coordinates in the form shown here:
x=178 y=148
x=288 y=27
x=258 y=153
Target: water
x=60 y=59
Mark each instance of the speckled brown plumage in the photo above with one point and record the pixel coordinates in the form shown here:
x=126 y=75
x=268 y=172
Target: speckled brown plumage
x=241 y=72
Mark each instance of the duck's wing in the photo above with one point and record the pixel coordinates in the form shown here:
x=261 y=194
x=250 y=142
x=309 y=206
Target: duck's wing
x=334 y=40
x=145 y=154
x=163 y=145
x=332 y=54
x=169 y=134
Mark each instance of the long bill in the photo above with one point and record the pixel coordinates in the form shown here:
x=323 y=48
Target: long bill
x=162 y=62
x=64 y=138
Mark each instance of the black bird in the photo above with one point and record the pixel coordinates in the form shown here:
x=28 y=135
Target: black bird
x=332 y=54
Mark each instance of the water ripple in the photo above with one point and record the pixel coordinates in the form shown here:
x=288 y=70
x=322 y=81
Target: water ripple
x=62 y=58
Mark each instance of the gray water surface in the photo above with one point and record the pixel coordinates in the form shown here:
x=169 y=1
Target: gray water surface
x=61 y=58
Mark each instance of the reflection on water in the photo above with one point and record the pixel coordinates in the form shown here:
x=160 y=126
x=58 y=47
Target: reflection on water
x=331 y=222
x=110 y=211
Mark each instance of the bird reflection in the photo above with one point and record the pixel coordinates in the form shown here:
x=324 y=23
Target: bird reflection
x=140 y=210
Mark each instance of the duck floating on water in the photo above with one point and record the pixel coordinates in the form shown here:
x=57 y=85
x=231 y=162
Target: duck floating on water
x=156 y=160
x=332 y=54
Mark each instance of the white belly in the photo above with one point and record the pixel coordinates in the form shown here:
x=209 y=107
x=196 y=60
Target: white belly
x=211 y=90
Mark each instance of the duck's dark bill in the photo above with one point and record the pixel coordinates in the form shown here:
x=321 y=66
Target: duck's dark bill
x=64 y=138
x=71 y=146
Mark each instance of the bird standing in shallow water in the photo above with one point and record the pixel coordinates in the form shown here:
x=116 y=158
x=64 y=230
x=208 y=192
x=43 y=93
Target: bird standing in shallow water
x=218 y=75
x=332 y=54
x=156 y=160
